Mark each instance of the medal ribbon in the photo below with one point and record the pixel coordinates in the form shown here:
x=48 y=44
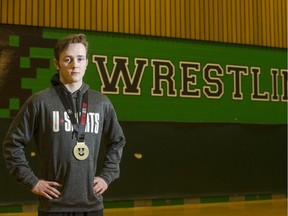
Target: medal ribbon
x=78 y=129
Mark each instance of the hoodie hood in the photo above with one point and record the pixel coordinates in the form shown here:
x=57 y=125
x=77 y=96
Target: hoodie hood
x=55 y=81
x=75 y=98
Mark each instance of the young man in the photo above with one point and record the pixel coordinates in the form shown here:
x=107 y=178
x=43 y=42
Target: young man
x=68 y=121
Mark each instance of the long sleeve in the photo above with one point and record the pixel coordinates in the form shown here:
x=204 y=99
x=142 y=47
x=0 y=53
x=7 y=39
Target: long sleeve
x=19 y=135
x=114 y=141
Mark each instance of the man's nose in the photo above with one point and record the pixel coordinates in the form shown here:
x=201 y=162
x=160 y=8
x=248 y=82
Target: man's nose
x=75 y=64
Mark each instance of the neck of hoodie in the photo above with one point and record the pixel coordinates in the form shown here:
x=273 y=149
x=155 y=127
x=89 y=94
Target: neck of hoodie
x=55 y=81
x=72 y=87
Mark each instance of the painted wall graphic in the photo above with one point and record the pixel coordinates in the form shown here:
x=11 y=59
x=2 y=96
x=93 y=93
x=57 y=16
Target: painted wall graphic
x=154 y=79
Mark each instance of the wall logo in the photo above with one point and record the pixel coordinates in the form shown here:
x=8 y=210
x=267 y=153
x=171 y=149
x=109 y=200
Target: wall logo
x=164 y=72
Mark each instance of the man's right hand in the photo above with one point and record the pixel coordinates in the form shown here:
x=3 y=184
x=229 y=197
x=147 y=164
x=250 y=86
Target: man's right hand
x=47 y=189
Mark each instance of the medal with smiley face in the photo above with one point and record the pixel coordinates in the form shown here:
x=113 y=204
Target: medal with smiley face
x=81 y=151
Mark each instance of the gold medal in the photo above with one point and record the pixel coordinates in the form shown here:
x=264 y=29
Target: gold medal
x=81 y=151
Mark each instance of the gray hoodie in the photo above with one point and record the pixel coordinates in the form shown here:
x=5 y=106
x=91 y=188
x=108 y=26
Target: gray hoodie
x=43 y=118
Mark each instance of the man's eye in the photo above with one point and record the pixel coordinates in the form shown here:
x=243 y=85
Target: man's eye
x=81 y=59
x=67 y=60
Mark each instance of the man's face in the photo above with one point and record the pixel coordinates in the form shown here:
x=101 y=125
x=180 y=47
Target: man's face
x=72 y=64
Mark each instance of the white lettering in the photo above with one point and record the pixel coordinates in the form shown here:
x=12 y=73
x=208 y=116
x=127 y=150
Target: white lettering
x=55 y=121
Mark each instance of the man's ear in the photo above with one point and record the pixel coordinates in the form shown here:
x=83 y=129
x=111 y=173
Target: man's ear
x=56 y=64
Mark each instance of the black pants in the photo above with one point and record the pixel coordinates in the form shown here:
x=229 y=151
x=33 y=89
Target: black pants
x=92 y=213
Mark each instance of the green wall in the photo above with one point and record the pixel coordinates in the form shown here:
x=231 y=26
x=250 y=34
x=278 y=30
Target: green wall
x=156 y=79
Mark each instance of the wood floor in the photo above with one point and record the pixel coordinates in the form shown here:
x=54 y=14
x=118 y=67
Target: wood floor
x=274 y=207
x=248 y=208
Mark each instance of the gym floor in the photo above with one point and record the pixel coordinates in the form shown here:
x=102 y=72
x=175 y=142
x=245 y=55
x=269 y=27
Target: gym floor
x=273 y=207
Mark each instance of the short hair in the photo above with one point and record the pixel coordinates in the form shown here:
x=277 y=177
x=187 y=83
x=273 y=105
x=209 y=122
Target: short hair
x=63 y=44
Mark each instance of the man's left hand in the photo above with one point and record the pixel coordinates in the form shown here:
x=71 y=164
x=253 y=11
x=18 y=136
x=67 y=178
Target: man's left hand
x=100 y=186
